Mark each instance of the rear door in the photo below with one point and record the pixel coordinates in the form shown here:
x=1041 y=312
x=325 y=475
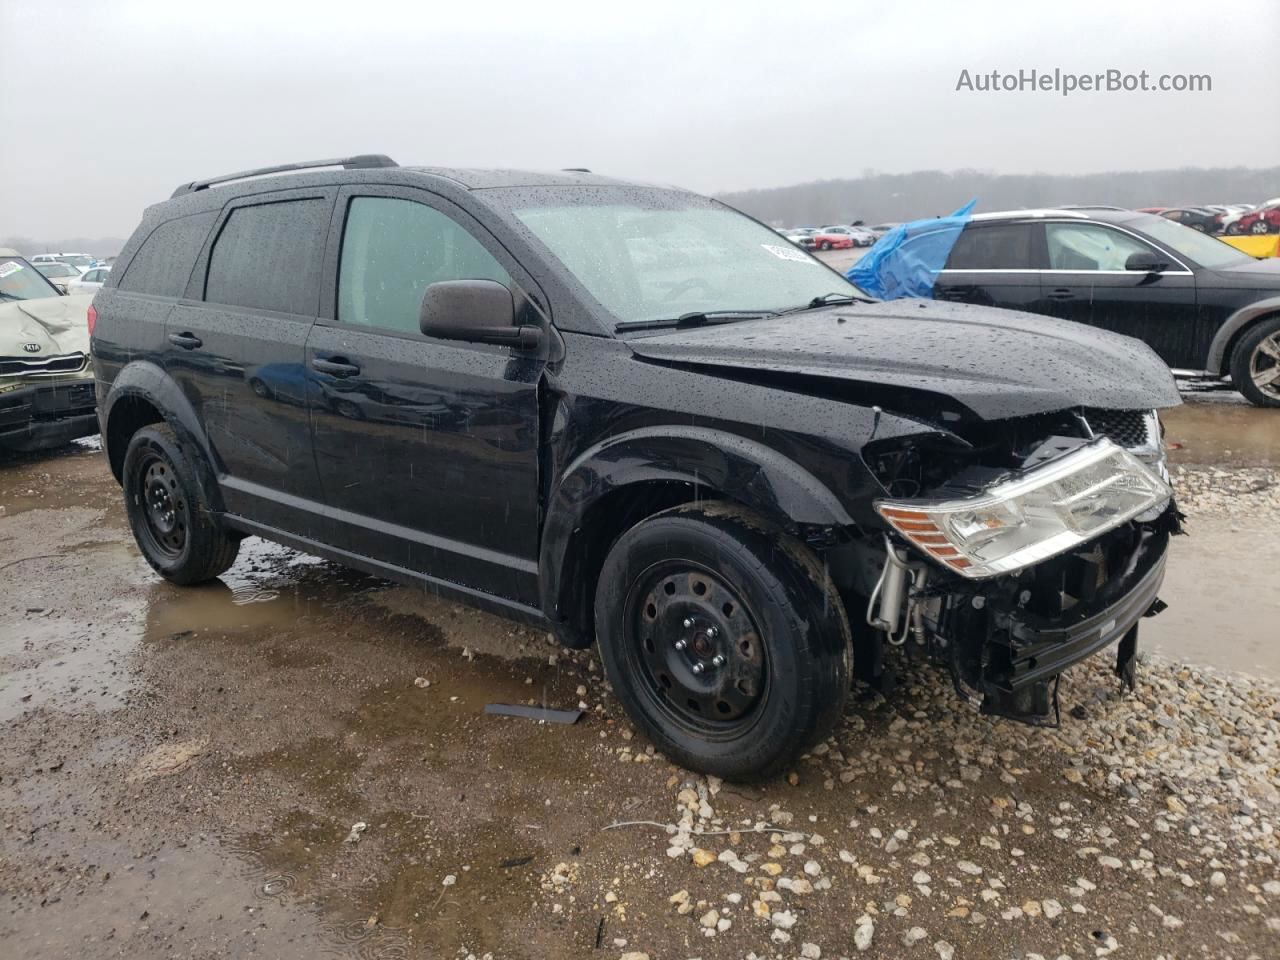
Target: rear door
x=995 y=265
x=427 y=449
x=1086 y=281
x=235 y=345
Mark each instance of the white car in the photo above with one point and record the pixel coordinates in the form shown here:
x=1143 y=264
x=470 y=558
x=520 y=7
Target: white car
x=90 y=281
x=81 y=261
x=58 y=273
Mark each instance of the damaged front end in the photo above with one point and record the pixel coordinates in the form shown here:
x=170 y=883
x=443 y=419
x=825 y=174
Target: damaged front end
x=1015 y=550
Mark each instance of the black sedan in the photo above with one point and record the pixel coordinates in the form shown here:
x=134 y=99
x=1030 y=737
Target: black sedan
x=1206 y=308
x=1197 y=218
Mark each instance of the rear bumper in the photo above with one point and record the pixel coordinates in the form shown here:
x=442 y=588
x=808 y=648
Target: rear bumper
x=47 y=413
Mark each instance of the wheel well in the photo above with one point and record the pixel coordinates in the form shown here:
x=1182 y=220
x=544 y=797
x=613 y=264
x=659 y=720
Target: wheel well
x=1229 y=353
x=603 y=523
x=128 y=416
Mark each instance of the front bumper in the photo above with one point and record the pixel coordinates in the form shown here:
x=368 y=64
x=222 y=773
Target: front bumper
x=46 y=413
x=1041 y=648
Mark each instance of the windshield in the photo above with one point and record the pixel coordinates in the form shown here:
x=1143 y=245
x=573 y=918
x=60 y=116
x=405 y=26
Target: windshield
x=78 y=259
x=58 y=270
x=20 y=281
x=654 y=255
x=1196 y=246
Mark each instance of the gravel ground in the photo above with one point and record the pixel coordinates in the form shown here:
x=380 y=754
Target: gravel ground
x=183 y=773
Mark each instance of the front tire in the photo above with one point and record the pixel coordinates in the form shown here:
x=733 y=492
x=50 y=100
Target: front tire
x=168 y=512
x=1255 y=364
x=723 y=638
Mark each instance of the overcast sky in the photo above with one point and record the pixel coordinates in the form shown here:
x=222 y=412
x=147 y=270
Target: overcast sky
x=105 y=107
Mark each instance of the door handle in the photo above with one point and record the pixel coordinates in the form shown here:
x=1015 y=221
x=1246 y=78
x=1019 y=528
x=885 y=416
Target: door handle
x=187 y=341
x=1062 y=293
x=337 y=367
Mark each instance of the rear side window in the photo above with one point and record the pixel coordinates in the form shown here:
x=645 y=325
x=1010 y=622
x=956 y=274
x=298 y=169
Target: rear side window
x=391 y=250
x=267 y=257
x=1005 y=246
x=162 y=265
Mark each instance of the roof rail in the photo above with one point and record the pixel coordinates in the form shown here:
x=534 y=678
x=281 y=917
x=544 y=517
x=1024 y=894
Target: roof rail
x=365 y=161
x=576 y=170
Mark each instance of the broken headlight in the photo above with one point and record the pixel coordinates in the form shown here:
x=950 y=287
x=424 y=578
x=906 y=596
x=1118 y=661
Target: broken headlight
x=1029 y=518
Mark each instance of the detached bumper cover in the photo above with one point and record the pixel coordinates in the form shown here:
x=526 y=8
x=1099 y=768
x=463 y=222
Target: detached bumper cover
x=45 y=413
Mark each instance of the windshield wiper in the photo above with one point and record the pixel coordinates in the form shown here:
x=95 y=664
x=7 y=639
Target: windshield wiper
x=693 y=319
x=826 y=300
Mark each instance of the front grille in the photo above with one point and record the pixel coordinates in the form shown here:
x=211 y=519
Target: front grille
x=1127 y=428
x=26 y=366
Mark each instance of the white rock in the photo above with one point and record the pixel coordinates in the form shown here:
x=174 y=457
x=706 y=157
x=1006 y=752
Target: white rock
x=862 y=935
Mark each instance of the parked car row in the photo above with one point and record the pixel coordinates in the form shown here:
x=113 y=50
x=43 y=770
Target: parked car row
x=1236 y=219
x=833 y=237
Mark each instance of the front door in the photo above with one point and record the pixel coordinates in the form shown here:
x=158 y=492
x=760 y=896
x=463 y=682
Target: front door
x=427 y=449
x=235 y=346
x=1086 y=280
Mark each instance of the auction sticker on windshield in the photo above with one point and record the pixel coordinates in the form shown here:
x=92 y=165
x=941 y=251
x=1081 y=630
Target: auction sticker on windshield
x=8 y=268
x=782 y=253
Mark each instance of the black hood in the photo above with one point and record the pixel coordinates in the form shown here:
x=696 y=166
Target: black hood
x=997 y=363
x=1264 y=274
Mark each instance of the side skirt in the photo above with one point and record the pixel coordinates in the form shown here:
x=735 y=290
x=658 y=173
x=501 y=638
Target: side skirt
x=511 y=609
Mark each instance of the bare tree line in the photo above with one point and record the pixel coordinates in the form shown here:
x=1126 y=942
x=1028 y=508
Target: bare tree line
x=880 y=197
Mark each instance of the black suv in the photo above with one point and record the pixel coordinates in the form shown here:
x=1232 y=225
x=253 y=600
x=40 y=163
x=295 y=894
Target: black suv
x=1206 y=308
x=633 y=416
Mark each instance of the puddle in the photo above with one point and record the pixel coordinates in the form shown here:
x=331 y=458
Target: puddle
x=270 y=587
x=1223 y=432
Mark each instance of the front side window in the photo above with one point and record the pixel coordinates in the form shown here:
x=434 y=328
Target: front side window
x=267 y=257
x=1087 y=246
x=650 y=255
x=391 y=250
x=1004 y=246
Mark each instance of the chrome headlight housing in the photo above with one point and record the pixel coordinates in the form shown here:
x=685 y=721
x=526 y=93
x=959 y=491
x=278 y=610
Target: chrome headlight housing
x=1032 y=517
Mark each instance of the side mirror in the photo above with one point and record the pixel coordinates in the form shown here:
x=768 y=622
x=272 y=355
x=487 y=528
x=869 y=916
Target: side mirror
x=1145 y=262
x=476 y=311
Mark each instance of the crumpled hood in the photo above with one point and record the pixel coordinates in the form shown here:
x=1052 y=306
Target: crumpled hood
x=56 y=324
x=998 y=363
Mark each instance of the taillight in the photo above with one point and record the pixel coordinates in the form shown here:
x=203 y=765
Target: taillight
x=92 y=318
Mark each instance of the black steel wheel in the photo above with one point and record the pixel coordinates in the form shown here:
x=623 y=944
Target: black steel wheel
x=164 y=508
x=696 y=646
x=723 y=639
x=168 y=512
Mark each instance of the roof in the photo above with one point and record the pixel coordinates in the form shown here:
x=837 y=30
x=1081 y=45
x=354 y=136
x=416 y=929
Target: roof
x=9 y=252
x=1106 y=215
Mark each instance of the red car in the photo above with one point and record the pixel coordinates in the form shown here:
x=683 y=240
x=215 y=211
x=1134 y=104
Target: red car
x=1265 y=219
x=833 y=238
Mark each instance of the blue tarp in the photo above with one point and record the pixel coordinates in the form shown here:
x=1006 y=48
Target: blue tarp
x=894 y=268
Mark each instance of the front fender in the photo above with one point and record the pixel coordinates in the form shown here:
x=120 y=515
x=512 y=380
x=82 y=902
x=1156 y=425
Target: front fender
x=146 y=382
x=733 y=467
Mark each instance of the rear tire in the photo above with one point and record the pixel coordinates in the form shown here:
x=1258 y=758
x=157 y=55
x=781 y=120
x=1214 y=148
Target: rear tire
x=1255 y=358
x=723 y=638
x=168 y=512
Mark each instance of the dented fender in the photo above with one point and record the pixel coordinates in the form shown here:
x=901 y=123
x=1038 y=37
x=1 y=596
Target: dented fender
x=723 y=464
